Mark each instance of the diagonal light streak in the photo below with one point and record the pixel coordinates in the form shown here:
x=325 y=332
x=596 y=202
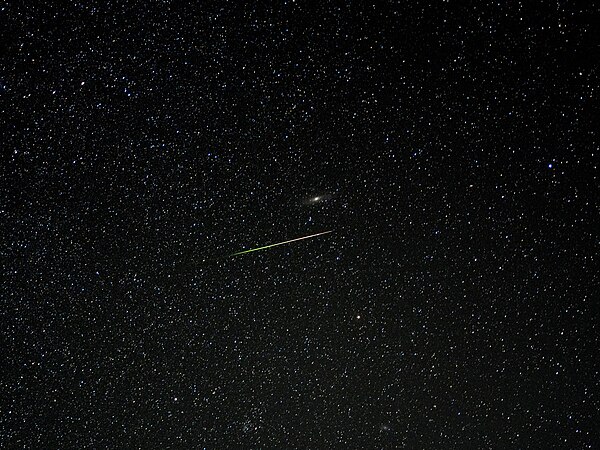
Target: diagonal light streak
x=281 y=243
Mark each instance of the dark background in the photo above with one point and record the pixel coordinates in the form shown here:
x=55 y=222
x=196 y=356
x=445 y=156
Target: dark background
x=455 y=147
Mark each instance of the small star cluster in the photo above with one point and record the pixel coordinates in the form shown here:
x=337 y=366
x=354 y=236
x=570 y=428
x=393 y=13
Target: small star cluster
x=450 y=147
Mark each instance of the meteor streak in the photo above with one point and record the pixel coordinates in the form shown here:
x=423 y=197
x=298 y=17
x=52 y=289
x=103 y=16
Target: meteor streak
x=281 y=243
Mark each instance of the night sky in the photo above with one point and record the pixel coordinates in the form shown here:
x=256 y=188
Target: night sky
x=450 y=148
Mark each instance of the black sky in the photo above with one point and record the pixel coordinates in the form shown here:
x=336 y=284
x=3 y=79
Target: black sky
x=454 y=149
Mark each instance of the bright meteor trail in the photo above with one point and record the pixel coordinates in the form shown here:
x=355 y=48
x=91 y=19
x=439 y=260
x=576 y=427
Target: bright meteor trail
x=281 y=243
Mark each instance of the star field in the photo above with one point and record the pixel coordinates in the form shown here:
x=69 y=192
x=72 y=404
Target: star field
x=451 y=148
